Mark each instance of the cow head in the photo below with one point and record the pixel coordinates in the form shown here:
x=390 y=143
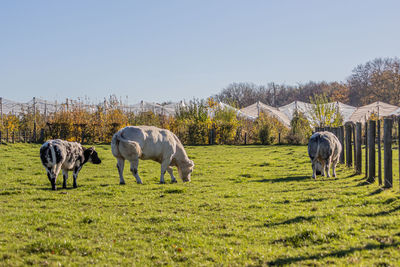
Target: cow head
x=185 y=170
x=90 y=155
x=319 y=169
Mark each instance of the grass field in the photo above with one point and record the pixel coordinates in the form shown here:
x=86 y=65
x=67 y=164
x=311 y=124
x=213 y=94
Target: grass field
x=246 y=205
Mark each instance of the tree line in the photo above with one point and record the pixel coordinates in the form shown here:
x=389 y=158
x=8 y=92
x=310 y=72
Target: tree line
x=376 y=80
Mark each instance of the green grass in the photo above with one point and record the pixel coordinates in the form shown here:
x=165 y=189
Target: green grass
x=246 y=205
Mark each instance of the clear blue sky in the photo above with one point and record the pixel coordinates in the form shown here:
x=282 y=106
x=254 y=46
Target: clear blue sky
x=173 y=50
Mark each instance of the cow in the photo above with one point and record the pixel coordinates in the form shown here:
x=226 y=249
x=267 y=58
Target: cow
x=324 y=150
x=67 y=156
x=150 y=143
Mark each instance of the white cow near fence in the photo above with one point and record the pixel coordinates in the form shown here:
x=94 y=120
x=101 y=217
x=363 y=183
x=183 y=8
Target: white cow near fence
x=324 y=150
x=147 y=142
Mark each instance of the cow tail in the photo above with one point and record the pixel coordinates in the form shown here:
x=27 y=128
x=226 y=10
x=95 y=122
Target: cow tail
x=114 y=145
x=117 y=138
x=318 y=141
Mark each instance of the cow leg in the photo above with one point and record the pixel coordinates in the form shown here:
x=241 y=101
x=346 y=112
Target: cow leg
x=314 y=170
x=334 y=168
x=327 y=167
x=134 y=170
x=120 y=167
x=164 y=166
x=54 y=173
x=65 y=178
x=75 y=175
x=171 y=173
x=48 y=174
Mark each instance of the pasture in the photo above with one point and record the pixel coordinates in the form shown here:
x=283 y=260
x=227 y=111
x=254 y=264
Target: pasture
x=246 y=205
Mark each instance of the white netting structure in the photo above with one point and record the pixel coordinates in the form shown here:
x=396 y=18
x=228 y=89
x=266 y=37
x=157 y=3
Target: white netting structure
x=379 y=108
x=307 y=109
x=283 y=113
x=48 y=107
x=302 y=107
x=239 y=113
x=259 y=107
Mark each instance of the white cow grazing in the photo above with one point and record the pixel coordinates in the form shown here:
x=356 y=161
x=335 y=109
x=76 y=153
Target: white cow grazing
x=324 y=150
x=147 y=142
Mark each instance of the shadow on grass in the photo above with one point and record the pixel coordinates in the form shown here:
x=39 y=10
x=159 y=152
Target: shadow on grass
x=59 y=189
x=377 y=191
x=381 y=213
x=363 y=183
x=339 y=254
x=312 y=200
x=285 y=179
x=298 y=219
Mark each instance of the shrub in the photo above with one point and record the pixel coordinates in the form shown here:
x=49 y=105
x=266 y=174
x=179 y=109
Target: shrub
x=300 y=130
x=267 y=129
x=225 y=124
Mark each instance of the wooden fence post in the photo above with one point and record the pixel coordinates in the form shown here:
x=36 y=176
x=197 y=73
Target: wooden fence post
x=0 y=137
x=366 y=149
x=387 y=152
x=7 y=135
x=372 y=151
x=13 y=137
x=379 y=154
x=349 y=159
x=353 y=129
x=358 y=156
x=245 y=138
x=398 y=144
x=341 y=139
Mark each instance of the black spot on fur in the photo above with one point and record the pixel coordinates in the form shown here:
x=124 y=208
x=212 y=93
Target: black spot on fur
x=43 y=152
x=57 y=151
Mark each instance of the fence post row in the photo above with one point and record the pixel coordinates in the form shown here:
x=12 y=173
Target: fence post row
x=398 y=144
x=353 y=130
x=34 y=119
x=366 y=149
x=372 y=152
x=358 y=156
x=379 y=154
x=341 y=139
x=387 y=151
x=349 y=156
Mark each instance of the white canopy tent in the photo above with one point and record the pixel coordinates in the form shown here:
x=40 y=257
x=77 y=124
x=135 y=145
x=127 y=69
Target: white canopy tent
x=239 y=113
x=258 y=107
x=302 y=107
x=379 y=108
x=307 y=108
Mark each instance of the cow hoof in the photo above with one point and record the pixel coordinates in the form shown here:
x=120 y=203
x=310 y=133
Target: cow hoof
x=174 y=182
x=75 y=186
x=162 y=182
x=121 y=183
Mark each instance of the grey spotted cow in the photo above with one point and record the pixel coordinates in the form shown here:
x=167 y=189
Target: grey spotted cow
x=67 y=156
x=324 y=150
